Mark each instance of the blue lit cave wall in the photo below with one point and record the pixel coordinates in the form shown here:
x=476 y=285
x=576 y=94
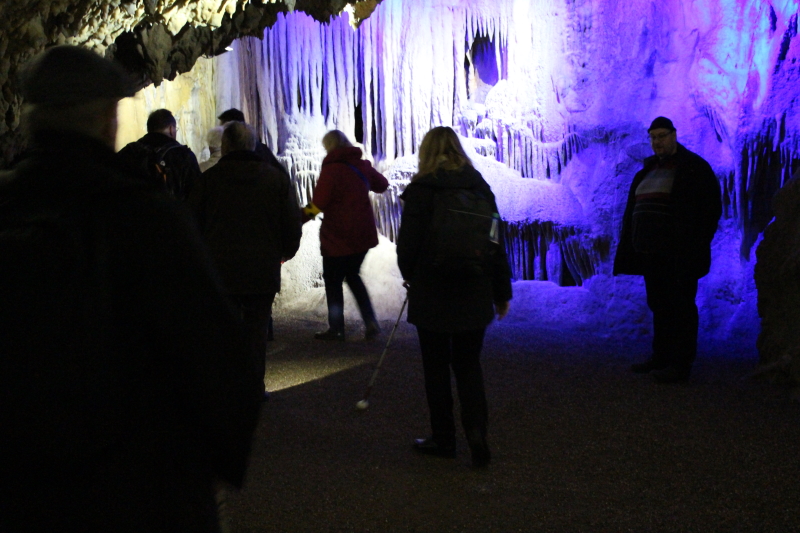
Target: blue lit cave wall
x=552 y=99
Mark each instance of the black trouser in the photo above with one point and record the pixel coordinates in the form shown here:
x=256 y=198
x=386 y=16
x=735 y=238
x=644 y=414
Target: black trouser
x=671 y=298
x=336 y=270
x=461 y=351
x=256 y=312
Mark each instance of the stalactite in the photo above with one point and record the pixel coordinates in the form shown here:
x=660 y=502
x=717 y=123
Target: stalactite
x=303 y=159
x=521 y=148
x=388 y=210
x=314 y=77
x=536 y=251
x=768 y=160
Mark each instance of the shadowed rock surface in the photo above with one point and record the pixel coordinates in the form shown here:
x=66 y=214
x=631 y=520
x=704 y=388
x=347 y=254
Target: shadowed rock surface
x=778 y=287
x=579 y=443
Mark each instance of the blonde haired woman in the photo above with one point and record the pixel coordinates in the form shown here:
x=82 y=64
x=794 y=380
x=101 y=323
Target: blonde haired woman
x=450 y=309
x=347 y=231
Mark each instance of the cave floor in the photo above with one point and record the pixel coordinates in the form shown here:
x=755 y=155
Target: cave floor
x=579 y=442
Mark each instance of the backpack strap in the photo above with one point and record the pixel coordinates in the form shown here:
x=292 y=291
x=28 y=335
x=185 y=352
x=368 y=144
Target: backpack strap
x=360 y=175
x=161 y=152
x=158 y=153
x=157 y=156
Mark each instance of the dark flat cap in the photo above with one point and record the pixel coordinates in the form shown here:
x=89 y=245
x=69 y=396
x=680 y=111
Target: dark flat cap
x=68 y=75
x=661 y=122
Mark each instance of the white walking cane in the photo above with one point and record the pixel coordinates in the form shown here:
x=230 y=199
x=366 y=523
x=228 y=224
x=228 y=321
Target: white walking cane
x=364 y=402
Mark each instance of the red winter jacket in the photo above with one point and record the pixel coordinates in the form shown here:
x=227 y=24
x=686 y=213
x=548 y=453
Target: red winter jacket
x=348 y=226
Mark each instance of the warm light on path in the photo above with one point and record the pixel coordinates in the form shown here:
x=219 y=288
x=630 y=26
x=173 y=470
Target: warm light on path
x=284 y=374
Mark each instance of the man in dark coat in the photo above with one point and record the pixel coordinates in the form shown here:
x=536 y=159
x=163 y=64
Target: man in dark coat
x=670 y=219
x=177 y=168
x=247 y=212
x=126 y=393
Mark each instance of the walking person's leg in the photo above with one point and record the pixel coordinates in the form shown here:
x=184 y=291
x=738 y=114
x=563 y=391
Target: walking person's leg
x=658 y=289
x=256 y=312
x=467 y=369
x=333 y=272
x=676 y=326
x=686 y=322
x=359 y=290
x=435 y=348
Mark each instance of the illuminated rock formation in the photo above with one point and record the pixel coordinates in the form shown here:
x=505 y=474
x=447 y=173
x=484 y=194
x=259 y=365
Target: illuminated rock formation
x=557 y=91
x=552 y=98
x=154 y=39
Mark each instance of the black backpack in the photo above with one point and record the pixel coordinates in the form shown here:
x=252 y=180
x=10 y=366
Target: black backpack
x=151 y=163
x=464 y=231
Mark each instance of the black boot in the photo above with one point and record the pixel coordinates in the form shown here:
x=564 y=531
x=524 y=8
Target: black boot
x=372 y=330
x=648 y=366
x=672 y=374
x=481 y=456
x=438 y=448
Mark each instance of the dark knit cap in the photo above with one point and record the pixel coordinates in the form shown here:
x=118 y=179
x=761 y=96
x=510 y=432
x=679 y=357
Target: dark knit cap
x=69 y=75
x=661 y=122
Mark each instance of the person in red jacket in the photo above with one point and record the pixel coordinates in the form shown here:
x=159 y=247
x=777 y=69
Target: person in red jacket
x=348 y=229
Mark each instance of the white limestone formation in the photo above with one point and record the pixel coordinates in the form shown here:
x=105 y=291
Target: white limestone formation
x=552 y=98
x=154 y=39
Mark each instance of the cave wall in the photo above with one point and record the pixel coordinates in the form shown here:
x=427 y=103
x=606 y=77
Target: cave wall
x=554 y=99
x=154 y=40
x=189 y=96
x=568 y=76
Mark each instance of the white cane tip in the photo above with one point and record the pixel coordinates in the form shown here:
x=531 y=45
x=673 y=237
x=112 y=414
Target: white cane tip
x=363 y=404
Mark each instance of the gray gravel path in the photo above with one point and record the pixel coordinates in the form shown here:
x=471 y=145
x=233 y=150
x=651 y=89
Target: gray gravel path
x=579 y=443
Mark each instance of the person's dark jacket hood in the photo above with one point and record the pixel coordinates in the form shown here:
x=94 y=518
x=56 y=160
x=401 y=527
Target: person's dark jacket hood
x=465 y=177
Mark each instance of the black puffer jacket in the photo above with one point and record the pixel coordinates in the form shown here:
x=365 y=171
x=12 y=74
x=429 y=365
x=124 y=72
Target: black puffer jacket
x=697 y=207
x=447 y=303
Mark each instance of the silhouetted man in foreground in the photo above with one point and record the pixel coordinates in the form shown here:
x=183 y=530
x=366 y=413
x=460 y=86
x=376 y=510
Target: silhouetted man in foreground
x=670 y=219
x=161 y=159
x=247 y=212
x=126 y=390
